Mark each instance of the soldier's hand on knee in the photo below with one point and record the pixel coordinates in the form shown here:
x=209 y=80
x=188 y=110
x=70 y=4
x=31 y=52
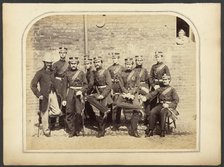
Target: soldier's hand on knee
x=165 y=105
x=79 y=93
x=64 y=103
x=41 y=97
x=100 y=97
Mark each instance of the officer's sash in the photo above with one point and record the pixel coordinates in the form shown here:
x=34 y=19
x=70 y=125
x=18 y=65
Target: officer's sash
x=63 y=68
x=167 y=90
x=117 y=69
x=160 y=68
x=130 y=75
x=101 y=72
x=75 y=75
x=141 y=72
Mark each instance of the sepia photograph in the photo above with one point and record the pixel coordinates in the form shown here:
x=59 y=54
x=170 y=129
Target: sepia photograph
x=111 y=84
x=108 y=81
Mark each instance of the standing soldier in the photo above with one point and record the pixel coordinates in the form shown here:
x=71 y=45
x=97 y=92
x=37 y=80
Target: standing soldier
x=74 y=86
x=47 y=97
x=144 y=80
x=102 y=99
x=129 y=101
x=115 y=71
x=60 y=68
x=168 y=100
x=90 y=79
x=156 y=73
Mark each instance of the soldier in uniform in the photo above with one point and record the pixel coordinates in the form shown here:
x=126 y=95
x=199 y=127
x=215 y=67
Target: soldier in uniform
x=115 y=71
x=90 y=79
x=168 y=100
x=144 y=79
x=102 y=98
x=156 y=73
x=128 y=100
x=47 y=96
x=60 y=68
x=74 y=86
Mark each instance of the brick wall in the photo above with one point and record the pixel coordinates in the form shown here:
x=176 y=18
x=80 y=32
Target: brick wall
x=128 y=34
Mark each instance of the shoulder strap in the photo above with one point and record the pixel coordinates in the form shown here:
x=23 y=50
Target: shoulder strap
x=166 y=90
x=160 y=67
x=130 y=75
x=101 y=72
x=141 y=73
x=117 y=69
x=75 y=75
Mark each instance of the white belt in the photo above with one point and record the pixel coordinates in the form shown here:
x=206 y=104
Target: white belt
x=168 y=102
x=142 y=82
x=104 y=86
x=59 y=78
x=156 y=80
x=75 y=87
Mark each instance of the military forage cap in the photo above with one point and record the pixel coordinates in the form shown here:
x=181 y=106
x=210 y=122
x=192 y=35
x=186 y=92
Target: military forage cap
x=159 y=53
x=137 y=57
x=115 y=55
x=48 y=57
x=73 y=59
x=97 y=58
x=165 y=76
x=87 y=60
x=129 y=60
x=63 y=49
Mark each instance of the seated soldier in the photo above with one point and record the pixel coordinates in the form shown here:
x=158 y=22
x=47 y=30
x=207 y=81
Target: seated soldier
x=102 y=99
x=168 y=100
x=128 y=100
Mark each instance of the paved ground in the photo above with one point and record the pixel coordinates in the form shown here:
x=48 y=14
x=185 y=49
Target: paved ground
x=184 y=137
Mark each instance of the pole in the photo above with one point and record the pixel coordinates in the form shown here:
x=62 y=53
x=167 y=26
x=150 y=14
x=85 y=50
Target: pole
x=85 y=36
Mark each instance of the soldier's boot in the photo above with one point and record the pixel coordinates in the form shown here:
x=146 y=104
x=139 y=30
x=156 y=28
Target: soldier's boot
x=162 y=133
x=101 y=126
x=150 y=133
x=134 y=124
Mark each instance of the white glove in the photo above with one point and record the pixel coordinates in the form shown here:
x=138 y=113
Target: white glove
x=143 y=98
x=165 y=105
x=64 y=103
x=145 y=89
x=100 y=97
x=41 y=97
x=78 y=93
x=156 y=87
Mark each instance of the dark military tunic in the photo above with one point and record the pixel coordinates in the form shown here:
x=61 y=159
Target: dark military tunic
x=60 y=68
x=102 y=83
x=130 y=84
x=165 y=94
x=90 y=80
x=46 y=82
x=130 y=80
x=115 y=70
x=74 y=80
x=102 y=78
x=156 y=73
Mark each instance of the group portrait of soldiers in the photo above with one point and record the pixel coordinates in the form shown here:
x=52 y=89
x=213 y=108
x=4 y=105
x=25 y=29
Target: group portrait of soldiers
x=71 y=98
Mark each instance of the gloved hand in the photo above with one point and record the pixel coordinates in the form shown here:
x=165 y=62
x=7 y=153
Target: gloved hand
x=156 y=87
x=100 y=97
x=41 y=97
x=165 y=105
x=145 y=89
x=79 y=93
